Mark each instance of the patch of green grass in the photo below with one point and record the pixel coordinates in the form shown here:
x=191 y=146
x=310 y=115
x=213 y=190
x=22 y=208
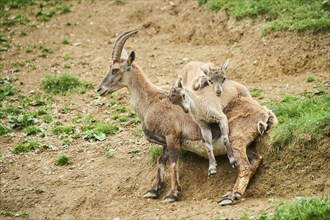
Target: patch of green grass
x=63 y=84
x=112 y=103
x=25 y=147
x=10 y=213
x=39 y=190
x=67 y=66
x=23 y=33
x=117 y=2
x=41 y=111
x=301 y=208
x=217 y=217
x=22 y=214
x=303 y=120
x=43 y=15
x=62 y=160
x=29 y=50
x=121 y=109
x=138 y=132
x=120 y=118
x=154 y=152
x=44 y=51
x=11 y=4
x=65 y=41
x=310 y=79
x=90 y=119
x=135 y=121
x=32 y=130
x=7 y=213
x=8 y=20
x=66 y=57
x=7 y=88
x=108 y=153
x=99 y=131
x=63 y=130
x=37 y=101
x=22 y=120
x=47 y=119
x=4 y=42
x=293 y=15
x=77 y=118
x=64 y=9
x=4 y=130
x=65 y=108
x=255 y=92
x=9 y=110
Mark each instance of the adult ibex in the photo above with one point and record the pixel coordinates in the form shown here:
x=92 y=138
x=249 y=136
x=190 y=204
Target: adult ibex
x=166 y=124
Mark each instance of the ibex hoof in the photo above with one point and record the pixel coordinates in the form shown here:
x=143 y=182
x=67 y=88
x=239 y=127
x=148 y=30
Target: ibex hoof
x=230 y=198
x=232 y=161
x=212 y=171
x=224 y=202
x=170 y=198
x=150 y=194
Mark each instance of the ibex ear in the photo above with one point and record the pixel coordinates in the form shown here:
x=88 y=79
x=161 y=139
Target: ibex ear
x=178 y=82
x=225 y=65
x=205 y=71
x=130 y=59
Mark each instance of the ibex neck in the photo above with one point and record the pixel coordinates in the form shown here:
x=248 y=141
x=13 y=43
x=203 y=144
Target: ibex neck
x=143 y=92
x=196 y=105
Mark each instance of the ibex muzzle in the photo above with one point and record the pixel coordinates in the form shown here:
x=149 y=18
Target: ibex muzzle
x=115 y=77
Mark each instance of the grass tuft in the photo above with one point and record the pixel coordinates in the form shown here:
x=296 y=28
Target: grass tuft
x=154 y=153
x=4 y=130
x=301 y=208
x=32 y=130
x=63 y=84
x=99 y=131
x=25 y=147
x=61 y=129
x=302 y=120
x=295 y=15
x=7 y=88
x=62 y=160
x=22 y=120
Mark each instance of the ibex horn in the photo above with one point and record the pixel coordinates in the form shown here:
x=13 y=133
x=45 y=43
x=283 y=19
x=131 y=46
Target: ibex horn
x=119 y=44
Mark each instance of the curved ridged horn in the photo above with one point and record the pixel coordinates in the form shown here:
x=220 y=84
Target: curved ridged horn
x=119 y=44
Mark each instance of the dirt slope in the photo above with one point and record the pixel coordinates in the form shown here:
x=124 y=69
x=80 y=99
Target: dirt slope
x=171 y=32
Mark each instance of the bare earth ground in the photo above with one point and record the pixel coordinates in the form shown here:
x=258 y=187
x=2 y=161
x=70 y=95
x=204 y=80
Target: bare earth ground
x=171 y=32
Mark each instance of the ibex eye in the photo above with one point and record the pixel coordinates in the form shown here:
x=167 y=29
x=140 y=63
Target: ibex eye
x=115 y=71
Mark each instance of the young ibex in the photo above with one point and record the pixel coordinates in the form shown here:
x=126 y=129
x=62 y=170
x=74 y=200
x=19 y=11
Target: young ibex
x=166 y=124
x=205 y=108
x=196 y=75
x=209 y=73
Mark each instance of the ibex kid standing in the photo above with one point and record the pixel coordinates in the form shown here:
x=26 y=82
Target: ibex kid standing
x=204 y=107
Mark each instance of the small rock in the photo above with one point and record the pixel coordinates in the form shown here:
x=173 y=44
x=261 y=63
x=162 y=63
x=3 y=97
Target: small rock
x=185 y=59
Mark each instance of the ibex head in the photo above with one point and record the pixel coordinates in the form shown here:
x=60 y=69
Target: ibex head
x=115 y=75
x=216 y=76
x=179 y=96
